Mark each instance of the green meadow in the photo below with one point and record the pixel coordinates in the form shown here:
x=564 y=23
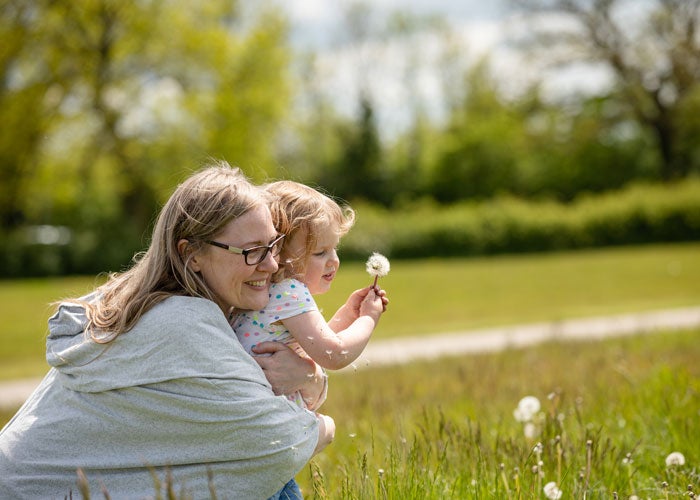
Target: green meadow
x=612 y=412
x=430 y=296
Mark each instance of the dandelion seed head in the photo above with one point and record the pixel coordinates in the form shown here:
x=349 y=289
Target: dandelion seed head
x=675 y=458
x=377 y=265
x=552 y=491
x=527 y=408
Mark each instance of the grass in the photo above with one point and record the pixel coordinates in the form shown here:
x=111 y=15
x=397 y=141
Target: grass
x=611 y=413
x=431 y=296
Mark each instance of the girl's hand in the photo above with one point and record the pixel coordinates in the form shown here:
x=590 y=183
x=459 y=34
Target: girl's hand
x=350 y=311
x=374 y=304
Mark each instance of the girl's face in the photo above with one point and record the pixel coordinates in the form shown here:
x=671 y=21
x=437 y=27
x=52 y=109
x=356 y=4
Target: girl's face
x=233 y=282
x=322 y=263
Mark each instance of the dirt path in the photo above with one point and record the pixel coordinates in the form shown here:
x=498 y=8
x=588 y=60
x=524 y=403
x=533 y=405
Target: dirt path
x=393 y=351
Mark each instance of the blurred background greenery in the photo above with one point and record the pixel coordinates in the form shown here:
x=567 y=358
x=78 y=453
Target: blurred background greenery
x=106 y=105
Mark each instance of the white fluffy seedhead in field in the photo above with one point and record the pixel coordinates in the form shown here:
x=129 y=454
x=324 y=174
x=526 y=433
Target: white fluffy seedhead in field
x=552 y=491
x=527 y=408
x=675 y=458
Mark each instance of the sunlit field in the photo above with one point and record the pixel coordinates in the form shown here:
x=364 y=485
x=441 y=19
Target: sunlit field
x=431 y=296
x=610 y=415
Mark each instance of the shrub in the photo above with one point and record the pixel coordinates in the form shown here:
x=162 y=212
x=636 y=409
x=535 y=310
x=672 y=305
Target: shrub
x=639 y=214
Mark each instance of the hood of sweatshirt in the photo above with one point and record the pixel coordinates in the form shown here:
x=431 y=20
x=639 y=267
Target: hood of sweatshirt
x=178 y=338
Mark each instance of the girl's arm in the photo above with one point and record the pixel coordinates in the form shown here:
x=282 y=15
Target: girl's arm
x=350 y=311
x=337 y=350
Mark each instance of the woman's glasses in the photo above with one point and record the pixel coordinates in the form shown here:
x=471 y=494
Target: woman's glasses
x=253 y=255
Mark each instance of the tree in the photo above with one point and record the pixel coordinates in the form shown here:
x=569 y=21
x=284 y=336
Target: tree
x=483 y=144
x=655 y=64
x=108 y=110
x=358 y=173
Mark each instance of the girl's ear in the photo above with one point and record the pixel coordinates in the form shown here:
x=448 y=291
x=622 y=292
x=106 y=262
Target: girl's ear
x=183 y=248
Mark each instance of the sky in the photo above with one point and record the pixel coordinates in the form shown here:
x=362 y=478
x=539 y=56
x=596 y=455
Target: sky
x=403 y=75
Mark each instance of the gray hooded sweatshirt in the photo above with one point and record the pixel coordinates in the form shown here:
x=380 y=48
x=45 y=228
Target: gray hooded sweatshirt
x=175 y=396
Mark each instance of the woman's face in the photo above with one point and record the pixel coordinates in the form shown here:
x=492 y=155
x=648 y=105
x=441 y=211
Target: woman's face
x=233 y=282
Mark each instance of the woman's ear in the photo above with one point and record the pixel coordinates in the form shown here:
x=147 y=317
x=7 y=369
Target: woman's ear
x=183 y=248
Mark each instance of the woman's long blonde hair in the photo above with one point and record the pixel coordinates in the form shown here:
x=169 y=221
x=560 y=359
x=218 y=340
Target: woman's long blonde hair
x=199 y=208
x=297 y=208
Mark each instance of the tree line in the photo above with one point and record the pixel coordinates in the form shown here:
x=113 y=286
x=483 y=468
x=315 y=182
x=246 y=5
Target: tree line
x=106 y=105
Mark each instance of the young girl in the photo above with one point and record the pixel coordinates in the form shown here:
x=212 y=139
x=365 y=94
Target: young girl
x=312 y=224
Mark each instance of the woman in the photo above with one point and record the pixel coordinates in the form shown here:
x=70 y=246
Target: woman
x=148 y=379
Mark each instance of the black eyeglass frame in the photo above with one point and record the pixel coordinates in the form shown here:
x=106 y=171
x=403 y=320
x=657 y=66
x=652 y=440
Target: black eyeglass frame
x=245 y=252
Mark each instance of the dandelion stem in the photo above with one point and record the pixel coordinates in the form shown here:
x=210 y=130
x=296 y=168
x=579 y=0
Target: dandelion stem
x=589 y=446
x=505 y=480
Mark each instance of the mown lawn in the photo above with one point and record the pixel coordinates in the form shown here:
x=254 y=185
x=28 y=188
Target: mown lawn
x=431 y=296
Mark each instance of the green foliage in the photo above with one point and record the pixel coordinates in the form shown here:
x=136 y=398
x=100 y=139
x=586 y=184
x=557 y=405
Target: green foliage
x=357 y=173
x=107 y=111
x=638 y=214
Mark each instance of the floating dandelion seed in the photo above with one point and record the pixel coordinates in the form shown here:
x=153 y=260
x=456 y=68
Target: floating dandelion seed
x=675 y=458
x=552 y=491
x=377 y=265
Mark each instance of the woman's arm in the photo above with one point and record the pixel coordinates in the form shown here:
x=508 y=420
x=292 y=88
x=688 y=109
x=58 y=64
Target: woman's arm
x=288 y=372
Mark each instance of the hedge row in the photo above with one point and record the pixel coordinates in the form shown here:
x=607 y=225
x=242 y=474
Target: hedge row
x=638 y=214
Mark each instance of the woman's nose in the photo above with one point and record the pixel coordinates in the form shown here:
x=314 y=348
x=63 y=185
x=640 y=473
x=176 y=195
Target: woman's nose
x=269 y=263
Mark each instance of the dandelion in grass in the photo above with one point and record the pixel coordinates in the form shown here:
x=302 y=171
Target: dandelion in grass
x=675 y=458
x=527 y=408
x=377 y=266
x=552 y=491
